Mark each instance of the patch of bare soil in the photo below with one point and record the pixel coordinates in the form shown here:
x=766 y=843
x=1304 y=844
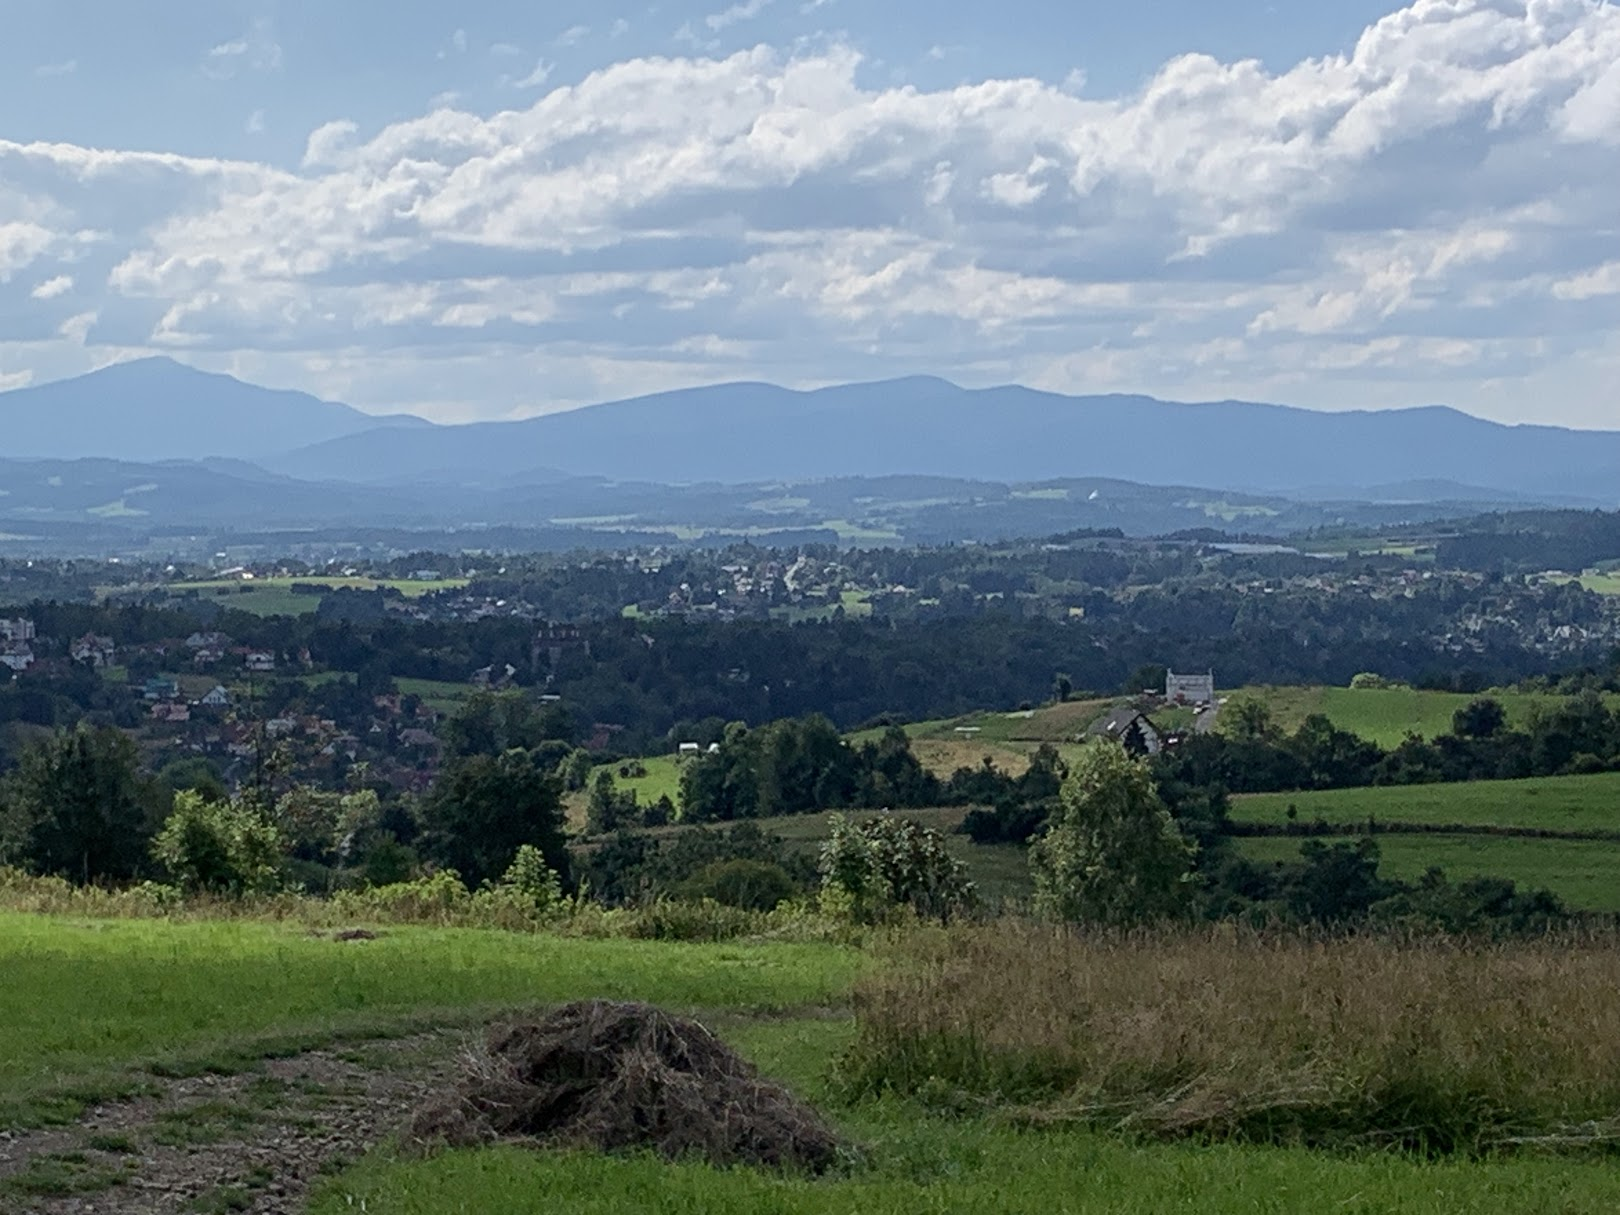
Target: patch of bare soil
x=252 y=1142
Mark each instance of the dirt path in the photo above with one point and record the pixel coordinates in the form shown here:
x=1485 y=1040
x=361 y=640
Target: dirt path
x=255 y=1141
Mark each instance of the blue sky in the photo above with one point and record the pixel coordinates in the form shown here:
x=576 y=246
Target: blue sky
x=496 y=209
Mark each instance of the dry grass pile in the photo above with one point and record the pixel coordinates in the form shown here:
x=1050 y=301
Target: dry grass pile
x=1437 y=1046
x=617 y=1077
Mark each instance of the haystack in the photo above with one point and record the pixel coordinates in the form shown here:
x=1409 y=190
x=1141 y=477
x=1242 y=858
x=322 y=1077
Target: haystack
x=625 y=1076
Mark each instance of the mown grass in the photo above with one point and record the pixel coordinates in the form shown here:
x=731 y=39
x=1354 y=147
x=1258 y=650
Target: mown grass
x=1584 y=873
x=1427 y=1045
x=916 y=1161
x=973 y=1168
x=1386 y=715
x=80 y=996
x=1554 y=803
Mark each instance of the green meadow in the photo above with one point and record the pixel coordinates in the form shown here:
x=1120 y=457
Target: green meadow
x=1386 y=715
x=82 y=996
x=1584 y=873
x=1551 y=803
x=274 y=596
x=88 y=1000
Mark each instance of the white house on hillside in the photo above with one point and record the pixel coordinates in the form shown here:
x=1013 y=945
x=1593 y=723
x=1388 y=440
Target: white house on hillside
x=1190 y=689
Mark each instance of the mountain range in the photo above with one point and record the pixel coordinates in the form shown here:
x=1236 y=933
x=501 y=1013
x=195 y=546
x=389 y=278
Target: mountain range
x=754 y=432
x=154 y=443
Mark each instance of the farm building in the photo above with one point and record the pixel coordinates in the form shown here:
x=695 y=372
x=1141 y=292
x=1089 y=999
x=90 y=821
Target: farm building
x=1189 y=689
x=1131 y=729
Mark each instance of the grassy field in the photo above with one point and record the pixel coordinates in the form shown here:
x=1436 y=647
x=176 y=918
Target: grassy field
x=225 y=992
x=441 y=695
x=920 y=1163
x=1584 y=873
x=1385 y=715
x=274 y=597
x=1603 y=583
x=150 y=988
x=1554 y=803
x=663 y=778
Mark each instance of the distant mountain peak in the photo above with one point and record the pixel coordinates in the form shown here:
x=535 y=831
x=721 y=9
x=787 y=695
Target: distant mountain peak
x=158 y=408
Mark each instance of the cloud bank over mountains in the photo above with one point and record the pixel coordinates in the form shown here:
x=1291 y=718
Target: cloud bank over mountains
x=1432 y=216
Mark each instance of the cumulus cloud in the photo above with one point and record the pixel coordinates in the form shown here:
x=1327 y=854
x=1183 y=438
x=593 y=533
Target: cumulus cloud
x=53 y=287
x=746 y=11
x=1433 y=209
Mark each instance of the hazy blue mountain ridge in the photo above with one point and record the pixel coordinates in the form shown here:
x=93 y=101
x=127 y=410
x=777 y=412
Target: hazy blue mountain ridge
x=158 y=409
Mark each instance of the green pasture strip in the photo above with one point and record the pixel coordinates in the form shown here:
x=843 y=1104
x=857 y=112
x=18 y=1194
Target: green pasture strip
x=442 y=695
x=910 y=1162
x=1584 y=873
x=409 y=587
x=1386 y=715
x=84 y=996
x=1551 y=803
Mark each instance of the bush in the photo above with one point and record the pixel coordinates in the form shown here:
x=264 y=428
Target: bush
x=530 y=882
x=436 y=899
x=874 y=868
x=751 y=885
x=226 y=848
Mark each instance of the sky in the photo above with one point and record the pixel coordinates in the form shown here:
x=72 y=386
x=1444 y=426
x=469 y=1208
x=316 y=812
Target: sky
x=502 y=208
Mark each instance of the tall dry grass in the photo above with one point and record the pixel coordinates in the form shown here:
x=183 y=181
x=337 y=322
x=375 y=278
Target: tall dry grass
x=1433 y=1045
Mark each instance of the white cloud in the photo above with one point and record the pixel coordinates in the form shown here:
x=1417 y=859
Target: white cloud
x=745 y=11
x=572 y=36
x=619 y=28
x=15 y=379
x=255 y=51
x=76 y=329
x=538 y=77
x=1424 y=217
x=64 y=68
x=52 y=287
x=1601 y=280
x=255 y=123
x=505 y=49
x=20 y=243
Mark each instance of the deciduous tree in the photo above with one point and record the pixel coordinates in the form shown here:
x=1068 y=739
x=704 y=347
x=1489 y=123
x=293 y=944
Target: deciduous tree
x=1111 y=854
